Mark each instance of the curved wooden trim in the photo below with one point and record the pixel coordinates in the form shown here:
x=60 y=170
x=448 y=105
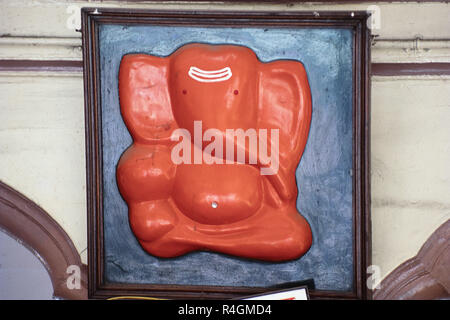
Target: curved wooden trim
x=27 y=222
x=426 y=276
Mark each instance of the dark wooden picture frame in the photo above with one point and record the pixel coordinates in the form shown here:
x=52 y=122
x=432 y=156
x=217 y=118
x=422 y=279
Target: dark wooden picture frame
x=356 y=21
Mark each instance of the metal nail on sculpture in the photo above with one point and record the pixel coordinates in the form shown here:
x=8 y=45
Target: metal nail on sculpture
x=217 y=139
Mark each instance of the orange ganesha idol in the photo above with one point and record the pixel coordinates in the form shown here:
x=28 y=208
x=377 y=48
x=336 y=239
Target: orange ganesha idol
x=217 y=137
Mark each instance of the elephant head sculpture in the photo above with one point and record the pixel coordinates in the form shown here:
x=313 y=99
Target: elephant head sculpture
x=226 y=203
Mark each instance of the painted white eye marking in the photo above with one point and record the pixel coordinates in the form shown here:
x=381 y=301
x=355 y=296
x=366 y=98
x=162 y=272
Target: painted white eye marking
x=210 y=76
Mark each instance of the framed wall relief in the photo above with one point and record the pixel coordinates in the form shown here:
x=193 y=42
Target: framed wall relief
x=227 y=152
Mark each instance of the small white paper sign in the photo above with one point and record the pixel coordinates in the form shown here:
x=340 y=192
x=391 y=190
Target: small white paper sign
x=290 y=294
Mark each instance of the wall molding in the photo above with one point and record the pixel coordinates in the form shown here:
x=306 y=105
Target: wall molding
x=410 y=69
x=41 y=65
x=414 y=50
x=35 y=48
x=425 y=276
x=25 y=221
x=76 y=66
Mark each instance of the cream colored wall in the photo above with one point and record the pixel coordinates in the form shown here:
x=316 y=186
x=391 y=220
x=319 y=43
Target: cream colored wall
x=42 y=132
x=410 y=164
x=42 y=145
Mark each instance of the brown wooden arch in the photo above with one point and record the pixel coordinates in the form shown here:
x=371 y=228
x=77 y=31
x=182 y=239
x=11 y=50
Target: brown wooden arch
x=423 y=277
x=41 y=234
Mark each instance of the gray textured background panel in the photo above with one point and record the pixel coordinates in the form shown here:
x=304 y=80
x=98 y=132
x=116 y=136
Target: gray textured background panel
x=323 y=175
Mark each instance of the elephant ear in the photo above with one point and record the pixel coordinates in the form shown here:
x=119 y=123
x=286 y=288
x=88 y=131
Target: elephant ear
x=144 y=98
x=285 y=104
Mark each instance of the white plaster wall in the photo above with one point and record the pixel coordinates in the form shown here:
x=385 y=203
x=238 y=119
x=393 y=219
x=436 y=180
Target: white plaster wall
x=42 y=153
x=410 y=144
x=42 y=132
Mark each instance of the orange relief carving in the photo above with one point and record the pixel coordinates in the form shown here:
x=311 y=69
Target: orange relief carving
x=217 y=138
